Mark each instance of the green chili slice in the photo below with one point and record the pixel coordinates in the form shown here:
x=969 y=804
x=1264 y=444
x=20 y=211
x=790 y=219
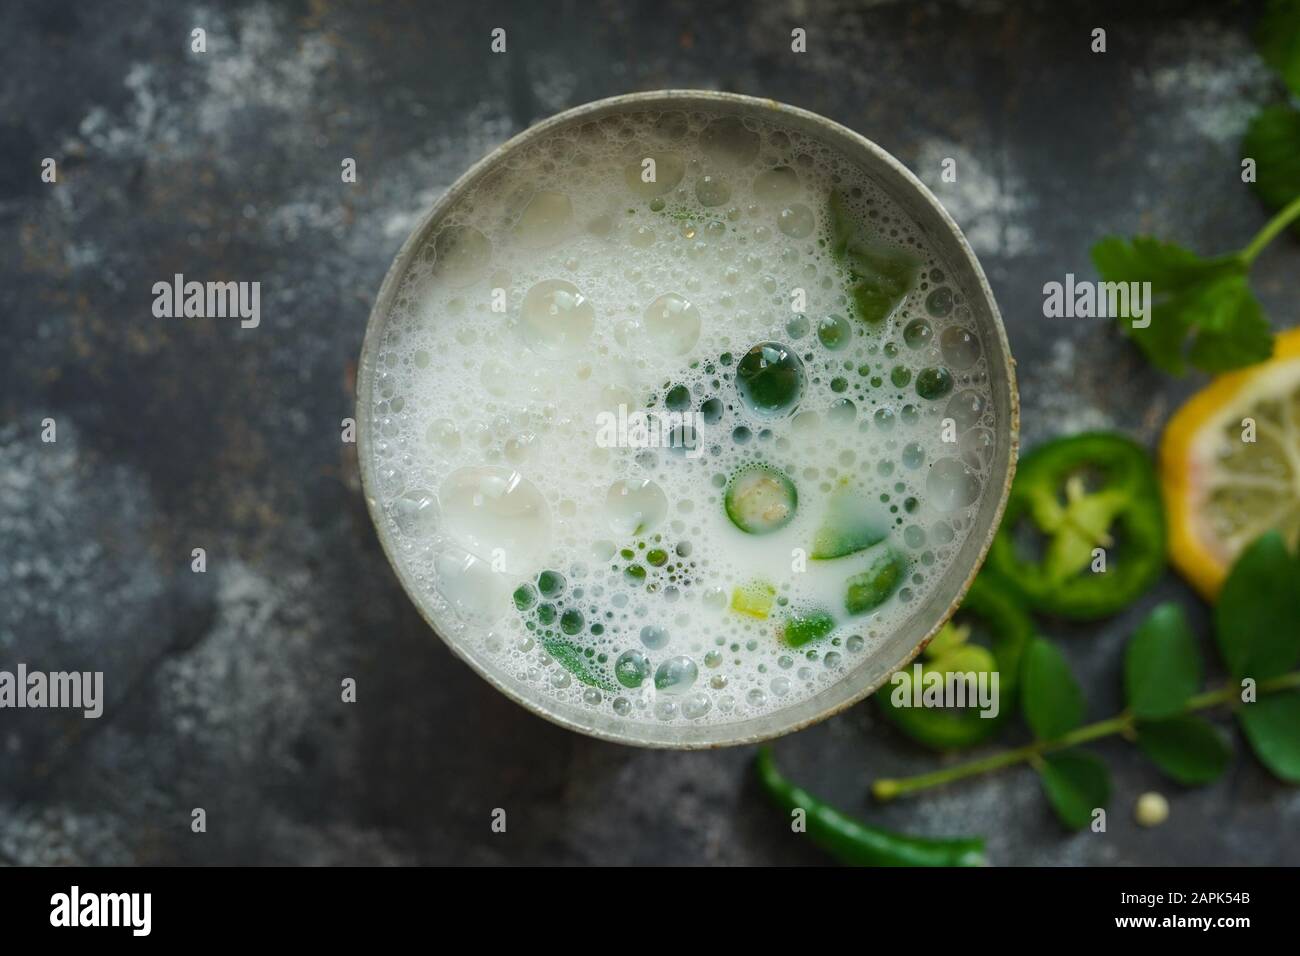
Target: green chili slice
x=1092 y=491
x=874 y=586
x=990 y=612
x=805 y=626
x=760 y=499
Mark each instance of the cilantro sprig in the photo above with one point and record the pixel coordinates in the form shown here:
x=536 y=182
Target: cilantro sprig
x=1202 y=310
x=1257 y=630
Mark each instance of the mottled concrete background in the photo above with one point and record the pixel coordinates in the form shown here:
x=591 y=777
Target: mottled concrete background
x=173 y=434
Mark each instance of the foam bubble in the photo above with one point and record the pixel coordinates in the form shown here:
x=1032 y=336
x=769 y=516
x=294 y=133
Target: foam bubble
x=556 y=317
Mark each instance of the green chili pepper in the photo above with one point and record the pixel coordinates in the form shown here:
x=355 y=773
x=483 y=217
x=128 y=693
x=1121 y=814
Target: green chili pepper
x=874 y=586
x=988 y=610
x=1090 y=491
x=807 y=626
x=855 y=843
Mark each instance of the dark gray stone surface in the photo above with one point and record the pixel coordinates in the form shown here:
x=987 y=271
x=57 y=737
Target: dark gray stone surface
x=224 y=687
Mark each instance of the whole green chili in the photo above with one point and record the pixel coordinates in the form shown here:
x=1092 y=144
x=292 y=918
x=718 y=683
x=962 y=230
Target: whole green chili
x=855 y=843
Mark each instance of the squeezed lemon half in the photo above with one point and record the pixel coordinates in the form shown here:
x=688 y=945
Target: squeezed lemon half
x=1221 y=489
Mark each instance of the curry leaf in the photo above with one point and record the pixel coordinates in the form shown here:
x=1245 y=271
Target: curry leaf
x=1162 y=665
x=1188 y=749
x=1257 y=619
x=1076 y=784
x=1052 y=699
x=1272 y=726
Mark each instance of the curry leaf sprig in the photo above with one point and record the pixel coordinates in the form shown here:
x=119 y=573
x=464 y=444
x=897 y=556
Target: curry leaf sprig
x=1202 y=310
x=1257 y=629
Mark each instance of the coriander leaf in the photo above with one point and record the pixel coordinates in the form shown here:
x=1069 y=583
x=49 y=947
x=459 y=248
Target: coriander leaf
x=1232 y=330
x=880 y=275
x=1162 y=664
x=1272 y=726
x=1278 y=37
x=1273 y=142
x=1188 y=749
x=1257 y=619
x=1166 y=265
x=1208 y=299
x=1052 y=700
x=1076 y=784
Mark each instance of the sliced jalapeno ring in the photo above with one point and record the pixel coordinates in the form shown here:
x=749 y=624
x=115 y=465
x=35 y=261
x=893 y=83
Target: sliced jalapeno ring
x=760 y=499
x=1090 y=491
x=989 y=611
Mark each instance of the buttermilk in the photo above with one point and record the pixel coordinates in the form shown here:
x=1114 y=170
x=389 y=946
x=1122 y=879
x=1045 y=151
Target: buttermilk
x=820 y=396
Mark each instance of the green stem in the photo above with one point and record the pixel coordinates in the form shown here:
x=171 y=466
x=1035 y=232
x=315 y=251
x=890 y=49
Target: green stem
x=1228 y=695
x=1266 y=235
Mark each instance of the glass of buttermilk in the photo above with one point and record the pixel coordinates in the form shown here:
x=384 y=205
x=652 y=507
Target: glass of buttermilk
x=686 y=418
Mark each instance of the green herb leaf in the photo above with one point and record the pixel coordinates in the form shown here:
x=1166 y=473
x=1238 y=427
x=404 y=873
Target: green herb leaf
x=1076 y=784
x=1272 y=726
x=1162 y=665
x=1201 y=310
x=571 y=657
x=1273 y=142
x=1278 y=37
x=1188 y=749
x=880 y=275
x=1257 y=619
x=807 y=626
x=1053 y=702
x=1232 y=330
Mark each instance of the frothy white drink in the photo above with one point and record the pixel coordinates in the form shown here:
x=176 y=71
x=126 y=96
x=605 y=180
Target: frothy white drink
x=676 y=418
